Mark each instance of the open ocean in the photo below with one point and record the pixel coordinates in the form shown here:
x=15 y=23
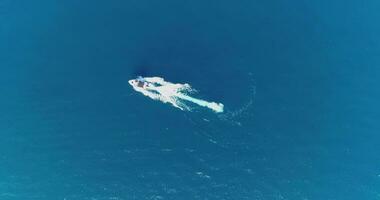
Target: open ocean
x=299 y=81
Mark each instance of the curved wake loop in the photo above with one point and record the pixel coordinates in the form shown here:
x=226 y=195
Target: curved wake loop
x=233 y=115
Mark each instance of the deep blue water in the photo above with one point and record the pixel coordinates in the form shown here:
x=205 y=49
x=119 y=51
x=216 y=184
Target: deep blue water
x=72 y=128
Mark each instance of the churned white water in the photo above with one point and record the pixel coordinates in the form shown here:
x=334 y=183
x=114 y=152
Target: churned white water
x=174 y=93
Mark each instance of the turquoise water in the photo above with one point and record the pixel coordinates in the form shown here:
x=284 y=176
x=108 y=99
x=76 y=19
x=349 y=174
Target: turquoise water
x=72 y=127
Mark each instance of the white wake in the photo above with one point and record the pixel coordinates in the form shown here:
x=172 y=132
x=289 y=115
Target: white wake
x=174 y=93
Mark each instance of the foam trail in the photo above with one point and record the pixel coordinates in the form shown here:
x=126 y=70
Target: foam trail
x=217 y=107
x=158 y=89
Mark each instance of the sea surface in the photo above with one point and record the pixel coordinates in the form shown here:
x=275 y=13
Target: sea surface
x=299 y=81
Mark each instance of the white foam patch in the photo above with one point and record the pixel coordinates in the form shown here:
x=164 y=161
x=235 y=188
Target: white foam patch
x=174 y=93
